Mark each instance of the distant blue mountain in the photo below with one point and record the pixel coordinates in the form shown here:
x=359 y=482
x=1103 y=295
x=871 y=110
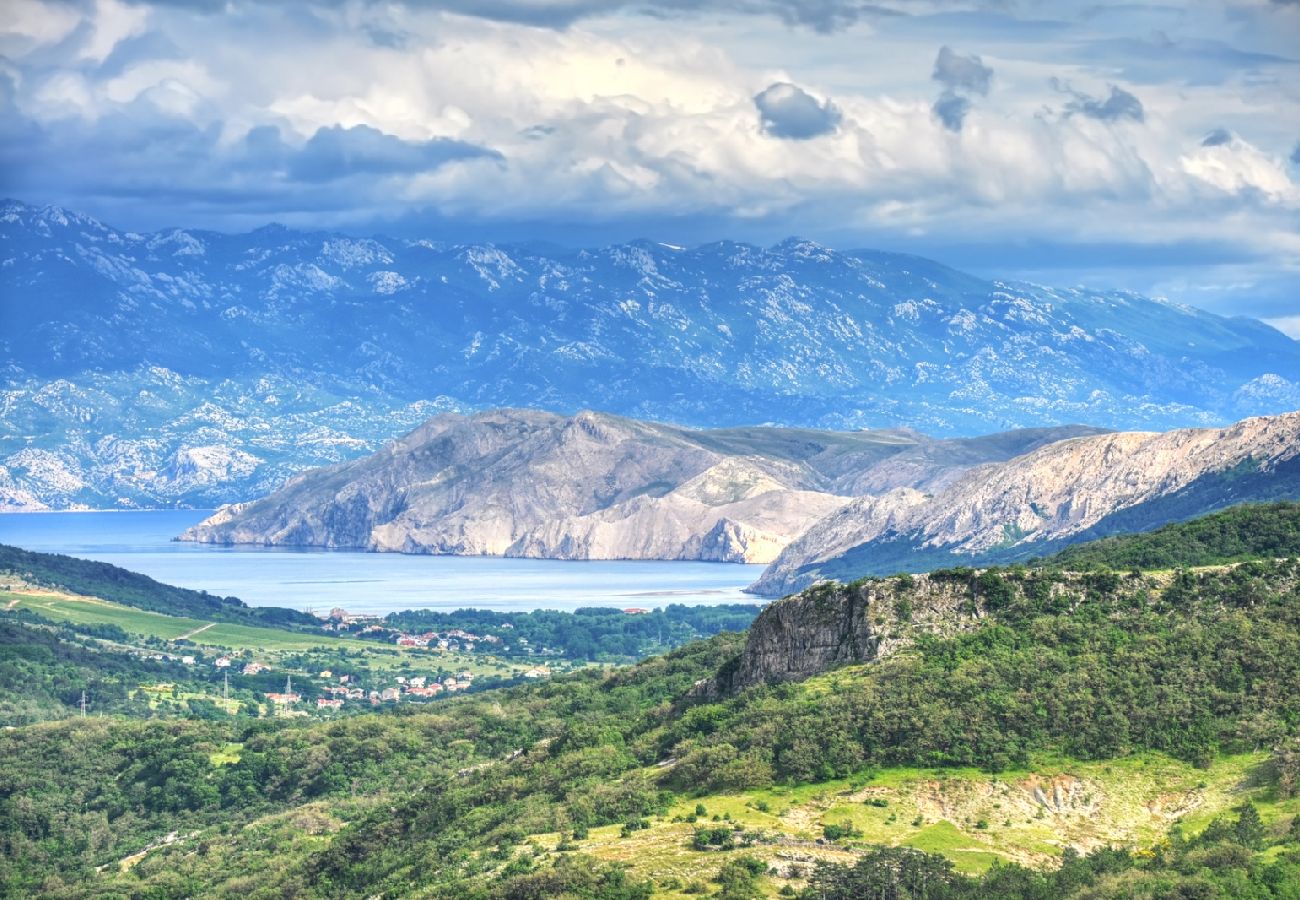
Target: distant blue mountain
x=196 y=367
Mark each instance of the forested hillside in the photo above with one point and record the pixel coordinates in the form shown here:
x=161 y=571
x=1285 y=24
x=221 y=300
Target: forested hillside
x=540 y=789
x=1249 y=531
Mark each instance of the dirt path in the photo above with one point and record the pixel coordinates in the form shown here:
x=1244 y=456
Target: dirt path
x=189 y=634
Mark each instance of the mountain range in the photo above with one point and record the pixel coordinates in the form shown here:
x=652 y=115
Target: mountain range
x=1059 y=494
x=816 y=505
x=196 y=368
x=597 y=486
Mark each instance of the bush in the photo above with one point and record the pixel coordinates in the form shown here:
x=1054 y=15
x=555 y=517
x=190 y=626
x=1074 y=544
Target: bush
x=834 y=832
x=713 y=839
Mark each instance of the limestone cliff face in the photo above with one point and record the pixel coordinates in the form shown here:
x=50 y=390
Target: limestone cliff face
x=1062 y=492
x=595 y=486
x=828 y=626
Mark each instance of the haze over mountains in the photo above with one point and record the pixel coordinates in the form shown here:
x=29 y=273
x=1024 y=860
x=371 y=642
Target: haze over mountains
x=196 y=368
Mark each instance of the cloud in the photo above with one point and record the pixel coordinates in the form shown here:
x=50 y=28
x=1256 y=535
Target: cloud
x=1217 y=138
x=1237 y=168
x=951 y=109
x=962 y=77
x=1119 y=105
x=788 y=111
x=529 y=119
x=338 y=152
x=965 y=74
x=823 y=16
x=1295 y=154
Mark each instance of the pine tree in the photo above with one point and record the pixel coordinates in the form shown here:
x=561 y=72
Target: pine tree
x=1250 y=828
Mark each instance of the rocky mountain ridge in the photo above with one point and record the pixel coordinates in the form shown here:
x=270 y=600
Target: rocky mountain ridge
x=191 y=367
x=1069 y=491
x=597 y=486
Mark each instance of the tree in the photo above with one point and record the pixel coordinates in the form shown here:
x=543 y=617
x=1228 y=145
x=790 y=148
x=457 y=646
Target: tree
x=1249 y=831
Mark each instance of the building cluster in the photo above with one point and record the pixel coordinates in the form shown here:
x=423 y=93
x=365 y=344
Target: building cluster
x=414 y=687
x=456 y=639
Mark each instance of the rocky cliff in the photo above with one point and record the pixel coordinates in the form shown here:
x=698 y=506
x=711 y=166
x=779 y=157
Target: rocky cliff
x=1055 y=495
x=831 y=625
x=596 y=486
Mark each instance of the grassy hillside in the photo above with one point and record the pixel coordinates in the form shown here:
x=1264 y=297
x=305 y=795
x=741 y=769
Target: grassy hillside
x=1249 y=531
x=109 y=582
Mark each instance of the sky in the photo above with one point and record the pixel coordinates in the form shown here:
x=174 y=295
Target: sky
x=1152 y=147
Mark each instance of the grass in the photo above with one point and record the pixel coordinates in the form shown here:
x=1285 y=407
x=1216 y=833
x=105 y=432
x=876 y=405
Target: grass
x=225 y=636
x=228 y=755
x=971 y=817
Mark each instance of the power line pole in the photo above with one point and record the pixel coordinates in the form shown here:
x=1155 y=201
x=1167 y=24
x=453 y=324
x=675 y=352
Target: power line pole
x=225 y=690
x=83 y=704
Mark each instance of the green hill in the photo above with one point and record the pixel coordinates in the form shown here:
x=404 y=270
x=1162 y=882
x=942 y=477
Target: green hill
x=1056 y=715
x=1246 y=532
x=109 y=582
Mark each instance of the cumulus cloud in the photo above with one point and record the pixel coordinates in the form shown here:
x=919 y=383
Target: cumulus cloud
x=1119 y=105
x=1239 y=168
x=788 y=111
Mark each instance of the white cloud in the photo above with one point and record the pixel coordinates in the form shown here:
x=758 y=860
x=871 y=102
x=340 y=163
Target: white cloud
x=112 y=23
x=1236 y=167
x=622 y=117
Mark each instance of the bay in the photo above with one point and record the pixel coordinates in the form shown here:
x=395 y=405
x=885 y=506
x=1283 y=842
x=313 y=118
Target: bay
x=319 y=580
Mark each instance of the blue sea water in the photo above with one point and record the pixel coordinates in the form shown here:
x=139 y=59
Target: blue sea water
x=367 y=582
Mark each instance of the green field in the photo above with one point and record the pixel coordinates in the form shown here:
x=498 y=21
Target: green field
x=969 y=816
x=225 y=636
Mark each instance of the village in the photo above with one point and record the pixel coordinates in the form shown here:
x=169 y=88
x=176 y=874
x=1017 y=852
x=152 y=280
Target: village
x=271 y=683
x=454 y=640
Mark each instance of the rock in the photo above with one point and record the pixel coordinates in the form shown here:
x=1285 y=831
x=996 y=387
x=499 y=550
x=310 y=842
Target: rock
x=593 y=486
x=1061 y=493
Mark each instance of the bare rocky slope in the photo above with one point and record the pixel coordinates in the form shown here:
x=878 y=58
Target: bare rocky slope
x=597 y=486
x=1069 y=491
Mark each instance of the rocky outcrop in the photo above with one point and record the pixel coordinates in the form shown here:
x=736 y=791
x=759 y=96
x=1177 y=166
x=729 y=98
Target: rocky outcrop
x=595 y=486
x=1035 y=503
x=828 y=626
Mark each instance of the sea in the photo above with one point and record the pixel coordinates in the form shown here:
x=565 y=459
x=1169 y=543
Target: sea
x=375 y=583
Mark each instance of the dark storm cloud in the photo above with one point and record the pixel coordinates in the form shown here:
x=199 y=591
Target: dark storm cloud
x=139 y=153
x=788 y=111
x=338 y=152
x=1217 y=138
x=1119 y=105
